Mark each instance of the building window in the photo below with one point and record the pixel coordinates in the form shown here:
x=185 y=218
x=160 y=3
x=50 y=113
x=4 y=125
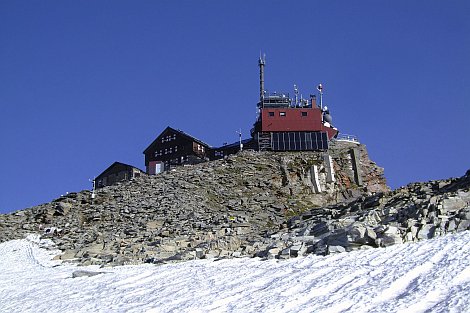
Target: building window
x=282 y=113
x=271 y=113
x=168 y=138
x=166 y=151
x=304 y=113
x=200 y=148
x=176 y=148
x=171 y=150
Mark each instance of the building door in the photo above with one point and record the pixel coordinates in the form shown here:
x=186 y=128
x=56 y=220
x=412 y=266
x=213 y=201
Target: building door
x=155 y=167
x=158 y=168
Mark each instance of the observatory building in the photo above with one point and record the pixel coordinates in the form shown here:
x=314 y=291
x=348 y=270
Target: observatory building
x=286 y=124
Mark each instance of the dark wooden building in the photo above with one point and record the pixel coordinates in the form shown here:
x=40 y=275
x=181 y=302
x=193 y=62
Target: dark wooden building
x=174 y=147
x=115 y=173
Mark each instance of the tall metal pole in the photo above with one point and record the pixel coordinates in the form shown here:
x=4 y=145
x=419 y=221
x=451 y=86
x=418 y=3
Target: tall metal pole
x=296 y=92
x=320 y=89
x=240 y=139
x=261 y=63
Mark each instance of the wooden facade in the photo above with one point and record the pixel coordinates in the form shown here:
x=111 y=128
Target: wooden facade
x=117 y=172
x=174 y=147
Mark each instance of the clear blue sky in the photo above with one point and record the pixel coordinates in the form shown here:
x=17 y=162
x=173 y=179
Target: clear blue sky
x=87 y=83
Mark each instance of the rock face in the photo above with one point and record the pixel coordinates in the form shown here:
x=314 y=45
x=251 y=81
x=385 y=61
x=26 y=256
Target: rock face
x=273 y=205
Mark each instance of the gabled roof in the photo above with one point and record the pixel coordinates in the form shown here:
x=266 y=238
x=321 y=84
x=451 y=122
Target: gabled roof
x=181 y=133
x=117 y=164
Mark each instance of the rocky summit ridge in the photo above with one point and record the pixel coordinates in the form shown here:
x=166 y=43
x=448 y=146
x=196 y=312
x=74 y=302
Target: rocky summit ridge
x=272 y=205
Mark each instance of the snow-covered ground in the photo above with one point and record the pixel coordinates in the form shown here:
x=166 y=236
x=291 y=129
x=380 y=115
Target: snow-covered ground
x=430 y=276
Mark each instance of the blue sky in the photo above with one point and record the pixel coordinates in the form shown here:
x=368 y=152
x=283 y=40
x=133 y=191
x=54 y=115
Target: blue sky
x=87 y=83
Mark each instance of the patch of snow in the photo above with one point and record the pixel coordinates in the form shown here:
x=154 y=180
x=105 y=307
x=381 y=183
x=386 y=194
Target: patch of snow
x=429 y=276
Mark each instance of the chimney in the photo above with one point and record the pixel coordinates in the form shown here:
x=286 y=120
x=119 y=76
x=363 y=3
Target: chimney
x=313 y=100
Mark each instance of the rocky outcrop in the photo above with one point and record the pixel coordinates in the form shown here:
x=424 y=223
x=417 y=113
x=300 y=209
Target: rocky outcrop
x=226 y=208
x=415 y=212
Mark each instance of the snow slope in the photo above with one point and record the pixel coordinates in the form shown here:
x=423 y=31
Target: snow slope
x=430 y=276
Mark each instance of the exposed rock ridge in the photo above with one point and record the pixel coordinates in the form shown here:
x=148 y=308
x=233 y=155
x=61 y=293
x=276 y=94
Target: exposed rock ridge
x=232 y=207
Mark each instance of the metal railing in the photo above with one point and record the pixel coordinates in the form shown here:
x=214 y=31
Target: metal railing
x=346 y=137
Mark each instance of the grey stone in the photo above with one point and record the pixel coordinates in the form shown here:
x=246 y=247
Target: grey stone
x=236 y=254
x=357 y=233
x=82 y=273
x=451 y=226
x=463 y=225
x=370 y=233
x=465 y=214
x=336 y=249
x=273 y=253
x=298 y=249
x=426 y=232
x=453 y=204
x=390 y=236
x=286 y=251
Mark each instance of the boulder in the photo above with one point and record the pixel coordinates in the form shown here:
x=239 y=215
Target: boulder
x=453 y=204
x=390 y=236
x=463 y=225
x=336 y=249
x=426 y=232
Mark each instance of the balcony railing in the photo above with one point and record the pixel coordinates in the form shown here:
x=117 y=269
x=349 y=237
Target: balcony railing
x=349 y=138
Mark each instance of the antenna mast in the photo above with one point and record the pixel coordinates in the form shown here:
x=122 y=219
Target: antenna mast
x=320 y=89
x=296 y=92
x=261 y=63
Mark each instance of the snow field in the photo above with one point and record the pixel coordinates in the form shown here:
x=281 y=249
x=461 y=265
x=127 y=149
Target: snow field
x=429 y=276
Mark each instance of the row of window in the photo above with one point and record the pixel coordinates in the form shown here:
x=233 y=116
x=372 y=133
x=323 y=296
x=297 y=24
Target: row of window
x=284 y=113
x=175 y=161
x=169 y=138
x=199 y=148
x=166 y=151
